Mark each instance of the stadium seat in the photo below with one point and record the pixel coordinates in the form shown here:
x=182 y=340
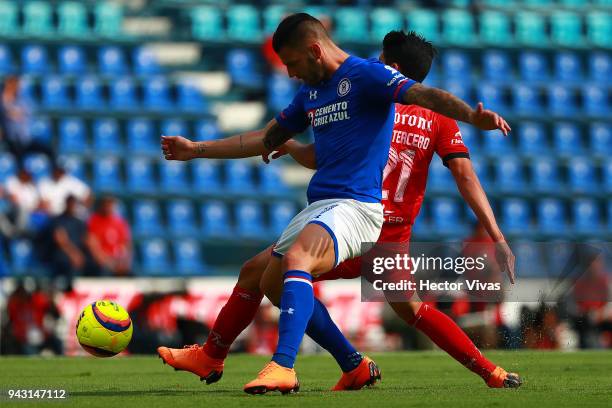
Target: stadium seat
x=71 y=60
x=272 y=16
x=581 y=175
x=190 y=98
x=174 y=127
x=72 y=136
x=9 y=17
x=108 y=19
x=422 y=226
x=216 y=220
x=446 y=216
x=243 y=68
x=281 y=91
x=6 y=59
x=495 y=28
x=145 y=61
x=34 y=60
x=281 y=213
x=188 y=258
x=568 y=67
x=181 y=217
x=157 y=94
x=482 y=170
x=351 y=25
x=530 y=29
x=562 y=101
x=599 y=28
x=456 y=65
x=89 y=94
x=206 y=129
x=460 y=89
x=526 y=100
x=243 y=23
x=107 y=174
x=141 y=137
x=551 y=217
x=566 y=29
x=496 y=66
x=587 y=217
x=206 y=177
x=600 y=67
x=249 y=220
x=595 y=100
x=383 y=20
x=492 y=96
x=529 y=261
x=174 y=177
x=207 y=23
x=106 y=136
x=38 y=165
x=601 y=139
x=567 y=139
x=41 y=129
x=27 y=91
x=533 y=66
x=123 y=94
x=111 y=61
x=425 y=22
x=239 y=178
x=545 y=176
x=37 y=18
x=140 y=175
x=54 y=93
x=458 y=27
x=22 y=256
x=74 y=165
x=72 y=18
x=270 y=179
x=532 y=139
x=470 y=136
x=147 y=219
x=509 y=175
x=155 y=260
x=516 y=217
x=496 y=144
x=7 y=166
x=440 y=179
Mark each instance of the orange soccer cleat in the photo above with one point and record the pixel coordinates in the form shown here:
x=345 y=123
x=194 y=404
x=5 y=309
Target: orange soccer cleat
x=500 y=378
x=365 y=374
x=193 y=359
x=274 y=378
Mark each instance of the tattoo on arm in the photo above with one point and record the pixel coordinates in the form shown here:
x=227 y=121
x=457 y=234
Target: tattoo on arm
x=438 y=101
x=200 y=148
x=276 y=136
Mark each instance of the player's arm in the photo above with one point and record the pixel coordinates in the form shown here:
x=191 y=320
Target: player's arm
x=453 y=107
x=246 y=144
x=304 y=154
x=472 y=192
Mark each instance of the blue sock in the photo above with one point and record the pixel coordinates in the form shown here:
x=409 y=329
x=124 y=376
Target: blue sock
x=295 y=311
x=324 y=331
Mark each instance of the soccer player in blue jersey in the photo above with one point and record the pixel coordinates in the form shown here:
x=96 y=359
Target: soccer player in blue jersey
x=349 y=103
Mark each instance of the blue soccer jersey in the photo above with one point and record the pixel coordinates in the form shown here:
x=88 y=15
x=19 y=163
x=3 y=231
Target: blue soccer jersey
x=352 y=118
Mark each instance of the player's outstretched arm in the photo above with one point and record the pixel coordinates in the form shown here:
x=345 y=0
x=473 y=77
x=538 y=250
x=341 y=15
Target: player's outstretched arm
x=246 y=144
x=449 y=105
x=472 y=192
x=304 y=154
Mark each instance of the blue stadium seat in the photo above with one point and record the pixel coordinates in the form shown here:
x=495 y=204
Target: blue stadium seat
x=568 y=67
x=74 y=165
x=38 y=165
x=155 y=259
x=9 y=15
x=596 y=100
x=37 y=18
x=54 y=93
x=174 y=127
x=545 y=175
x=495 y=28
x=34 y=60
x=145 y=61
x=108 y=19
x=141 y=137
x=147 y=218
x=422 y=225
x=581 y=175
x=206 y=129
x=530 y=29
x=281 y=91
x=188 y=257
x=27 y=91
x=447 y=217
x=207 y=23
x=41 y=129
x=22 y=256
x=216 y=220
x=73 y=136
x=495 y=143
x=529 y=261
x=6 y=60
x=190 y=99
x=72 y=19
x=272 y=16
x=440 y=178
x=206 y=177
x=181 y=217
x=566 y=28
x=459 y=89
x=243 y=68
x=238 y=176
x=509 y=175
x=587 y=217
x=351 y=25
x=567 y=139
x=281 y=213
x=458 y=27
x=270 y=179
x=492 y=96
x=8 y=166
x=107 y=174
x=174 y=177
x=456 y=65
x=516 y=216
x=111 y=61
x=533 y=66
x=123 y=94
x=157 y=93
x=601 y=139
x=243 y=23
x=89 y=94
x=607 y=177
x=141 y=175
x=496 y=66
x=482 y=171
x=382 y=21
x=425 y=22
x=600 y=67
x=470 y=136
x=249 y=220
x=72 y=60
x=551 y=217
x=532 y=139
x=562 y=101
x=527 y=100
x=106 y=136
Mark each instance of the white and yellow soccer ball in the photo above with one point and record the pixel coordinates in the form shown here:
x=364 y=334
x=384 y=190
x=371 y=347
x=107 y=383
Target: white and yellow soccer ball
x=104 y=328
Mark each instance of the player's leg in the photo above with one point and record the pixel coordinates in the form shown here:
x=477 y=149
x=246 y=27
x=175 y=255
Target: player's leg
x=207 y=361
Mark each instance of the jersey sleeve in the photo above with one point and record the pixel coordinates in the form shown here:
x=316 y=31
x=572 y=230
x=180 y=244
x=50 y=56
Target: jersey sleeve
x=449 y=141
x=293 y=117
x=384 y=83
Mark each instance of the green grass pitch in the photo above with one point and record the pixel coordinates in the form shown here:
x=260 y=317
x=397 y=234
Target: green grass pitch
x=551 y=379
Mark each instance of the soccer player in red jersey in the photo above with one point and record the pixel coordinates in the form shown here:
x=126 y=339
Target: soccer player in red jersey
x=418 y=133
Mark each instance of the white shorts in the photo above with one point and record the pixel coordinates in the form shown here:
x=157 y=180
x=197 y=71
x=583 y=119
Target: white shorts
x=349 y=222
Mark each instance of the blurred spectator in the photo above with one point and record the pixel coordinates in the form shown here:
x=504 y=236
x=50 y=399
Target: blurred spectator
x=24 y=199
x=15 y=125
x=59 y=186
x=110 y=238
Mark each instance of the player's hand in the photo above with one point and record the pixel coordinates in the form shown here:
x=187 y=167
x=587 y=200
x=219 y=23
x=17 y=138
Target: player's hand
x=279 y=152
x=488 y=120
x=506 y=258
x=177 y=148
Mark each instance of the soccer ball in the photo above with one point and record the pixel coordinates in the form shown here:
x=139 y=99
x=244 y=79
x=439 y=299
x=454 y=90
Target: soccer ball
x=104 y=328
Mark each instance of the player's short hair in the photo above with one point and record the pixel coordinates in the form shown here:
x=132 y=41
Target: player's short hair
x=411 y=51
x=296 y=27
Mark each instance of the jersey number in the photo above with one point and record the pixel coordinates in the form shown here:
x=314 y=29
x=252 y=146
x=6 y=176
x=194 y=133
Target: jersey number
x=406 y=158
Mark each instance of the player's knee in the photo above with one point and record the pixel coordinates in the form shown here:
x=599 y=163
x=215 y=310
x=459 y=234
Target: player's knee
x=268 y=289
x=250 y=275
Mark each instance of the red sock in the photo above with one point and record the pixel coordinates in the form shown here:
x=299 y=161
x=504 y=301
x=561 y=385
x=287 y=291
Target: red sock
x=233 y=318
x=443 y=331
